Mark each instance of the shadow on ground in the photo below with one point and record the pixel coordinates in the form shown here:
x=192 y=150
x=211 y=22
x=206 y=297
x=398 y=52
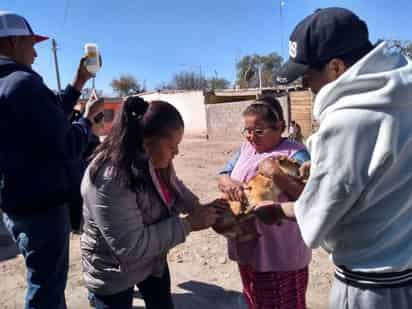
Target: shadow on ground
x=202 y=295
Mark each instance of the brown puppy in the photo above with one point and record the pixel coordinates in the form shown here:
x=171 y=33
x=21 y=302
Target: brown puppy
x=259 y=188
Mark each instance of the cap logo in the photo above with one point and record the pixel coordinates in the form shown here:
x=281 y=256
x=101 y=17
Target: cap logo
x=293 y=49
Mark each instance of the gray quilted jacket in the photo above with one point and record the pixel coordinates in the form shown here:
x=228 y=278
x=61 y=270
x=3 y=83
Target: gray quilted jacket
x=127 y=235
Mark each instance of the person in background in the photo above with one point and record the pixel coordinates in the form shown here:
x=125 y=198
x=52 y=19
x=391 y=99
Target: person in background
x=76 y=203
x=133 y=204
x=273 y=267
x=295 y=132
x=357 y=203
x=38 y=152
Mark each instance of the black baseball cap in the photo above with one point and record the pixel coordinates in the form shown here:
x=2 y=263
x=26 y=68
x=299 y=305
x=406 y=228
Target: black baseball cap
x=320 y=37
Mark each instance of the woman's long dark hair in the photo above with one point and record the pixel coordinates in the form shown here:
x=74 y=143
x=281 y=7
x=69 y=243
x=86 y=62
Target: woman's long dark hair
x=123 y=147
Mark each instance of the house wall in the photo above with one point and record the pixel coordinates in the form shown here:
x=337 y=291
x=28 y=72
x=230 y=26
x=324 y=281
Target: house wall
x=191 y=104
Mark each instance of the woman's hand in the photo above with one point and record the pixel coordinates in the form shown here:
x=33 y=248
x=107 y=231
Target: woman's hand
x=205 y=216
x=233 y=189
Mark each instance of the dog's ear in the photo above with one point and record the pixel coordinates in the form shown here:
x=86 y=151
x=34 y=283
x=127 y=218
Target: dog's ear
x=289 y=166
x=267 y=167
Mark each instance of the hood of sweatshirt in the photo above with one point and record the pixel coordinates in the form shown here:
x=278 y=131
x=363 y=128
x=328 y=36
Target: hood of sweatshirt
x=375 y=81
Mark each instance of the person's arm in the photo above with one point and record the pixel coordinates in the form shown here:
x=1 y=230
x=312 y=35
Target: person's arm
x=341 y=154
x=233 y=189
x=120 y=221
x=187 y=201
x=38 y=113
x=69 y=96
x=227 y=170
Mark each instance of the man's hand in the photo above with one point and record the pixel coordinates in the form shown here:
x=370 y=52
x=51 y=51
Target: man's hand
x=82 y=75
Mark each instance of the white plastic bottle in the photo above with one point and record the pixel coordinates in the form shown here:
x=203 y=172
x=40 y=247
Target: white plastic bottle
x=93 y=60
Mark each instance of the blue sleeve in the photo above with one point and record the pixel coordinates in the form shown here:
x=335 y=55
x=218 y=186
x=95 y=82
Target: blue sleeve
x=231 y=164
x=301 y=156
x=54 y=134
x=68 y=98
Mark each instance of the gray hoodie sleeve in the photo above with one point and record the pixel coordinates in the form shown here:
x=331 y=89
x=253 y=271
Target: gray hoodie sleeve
x=340 y=153
x=119 y=219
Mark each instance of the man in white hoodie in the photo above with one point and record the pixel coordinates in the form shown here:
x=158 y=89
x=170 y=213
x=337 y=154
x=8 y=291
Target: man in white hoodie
x=357 y=203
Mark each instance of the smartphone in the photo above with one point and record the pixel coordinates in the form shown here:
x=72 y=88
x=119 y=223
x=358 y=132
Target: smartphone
x=99 y=117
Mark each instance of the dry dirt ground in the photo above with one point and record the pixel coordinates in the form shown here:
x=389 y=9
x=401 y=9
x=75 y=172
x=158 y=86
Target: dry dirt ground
x=202 y=275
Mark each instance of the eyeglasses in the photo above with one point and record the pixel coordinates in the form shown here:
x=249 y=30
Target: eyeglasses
x=256 y=132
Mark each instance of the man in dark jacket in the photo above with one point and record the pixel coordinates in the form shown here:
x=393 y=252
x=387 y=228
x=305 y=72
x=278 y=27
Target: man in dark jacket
x=39 y=151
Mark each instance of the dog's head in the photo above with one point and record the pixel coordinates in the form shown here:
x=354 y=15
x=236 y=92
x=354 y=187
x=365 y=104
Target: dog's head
x=261 y=188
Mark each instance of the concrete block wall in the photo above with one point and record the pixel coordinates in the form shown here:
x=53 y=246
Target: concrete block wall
x=224 y=120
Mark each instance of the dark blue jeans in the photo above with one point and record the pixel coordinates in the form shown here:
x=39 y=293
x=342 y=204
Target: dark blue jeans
x=155 y=292
x=43 y=240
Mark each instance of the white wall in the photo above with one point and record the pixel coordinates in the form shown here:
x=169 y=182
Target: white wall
x=190 y=104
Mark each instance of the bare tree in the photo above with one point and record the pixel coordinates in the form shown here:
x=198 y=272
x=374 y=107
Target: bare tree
x=127 y=84
x=188 y=80
x=218 y=83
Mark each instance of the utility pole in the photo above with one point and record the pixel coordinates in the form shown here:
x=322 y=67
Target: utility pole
x=281 y=5
x=56 y=64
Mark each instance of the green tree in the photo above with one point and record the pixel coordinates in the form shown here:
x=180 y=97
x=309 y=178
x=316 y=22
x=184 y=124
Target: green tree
x=126 y=85
x=247 y=69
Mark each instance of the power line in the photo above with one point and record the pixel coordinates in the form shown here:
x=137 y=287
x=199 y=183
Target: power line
x=66 y=13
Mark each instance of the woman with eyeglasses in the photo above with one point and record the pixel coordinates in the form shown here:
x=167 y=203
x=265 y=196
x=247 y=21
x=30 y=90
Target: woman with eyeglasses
x=273 y=267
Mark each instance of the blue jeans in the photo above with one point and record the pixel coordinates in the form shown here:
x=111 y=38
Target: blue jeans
x=155 y=292
x=43 y=240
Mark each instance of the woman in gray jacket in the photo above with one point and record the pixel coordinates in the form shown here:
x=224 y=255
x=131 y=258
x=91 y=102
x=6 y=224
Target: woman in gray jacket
x=133 y=206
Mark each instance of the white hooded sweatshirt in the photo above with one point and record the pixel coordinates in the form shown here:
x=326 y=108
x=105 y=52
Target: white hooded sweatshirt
x=357 y=203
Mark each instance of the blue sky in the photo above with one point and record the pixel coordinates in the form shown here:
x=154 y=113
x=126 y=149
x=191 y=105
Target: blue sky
x=153 y=39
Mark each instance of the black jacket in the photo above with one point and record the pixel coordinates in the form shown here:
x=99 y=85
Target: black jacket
x=40 y=150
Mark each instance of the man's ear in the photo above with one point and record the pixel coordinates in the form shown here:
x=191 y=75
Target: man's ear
x=336 y=67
